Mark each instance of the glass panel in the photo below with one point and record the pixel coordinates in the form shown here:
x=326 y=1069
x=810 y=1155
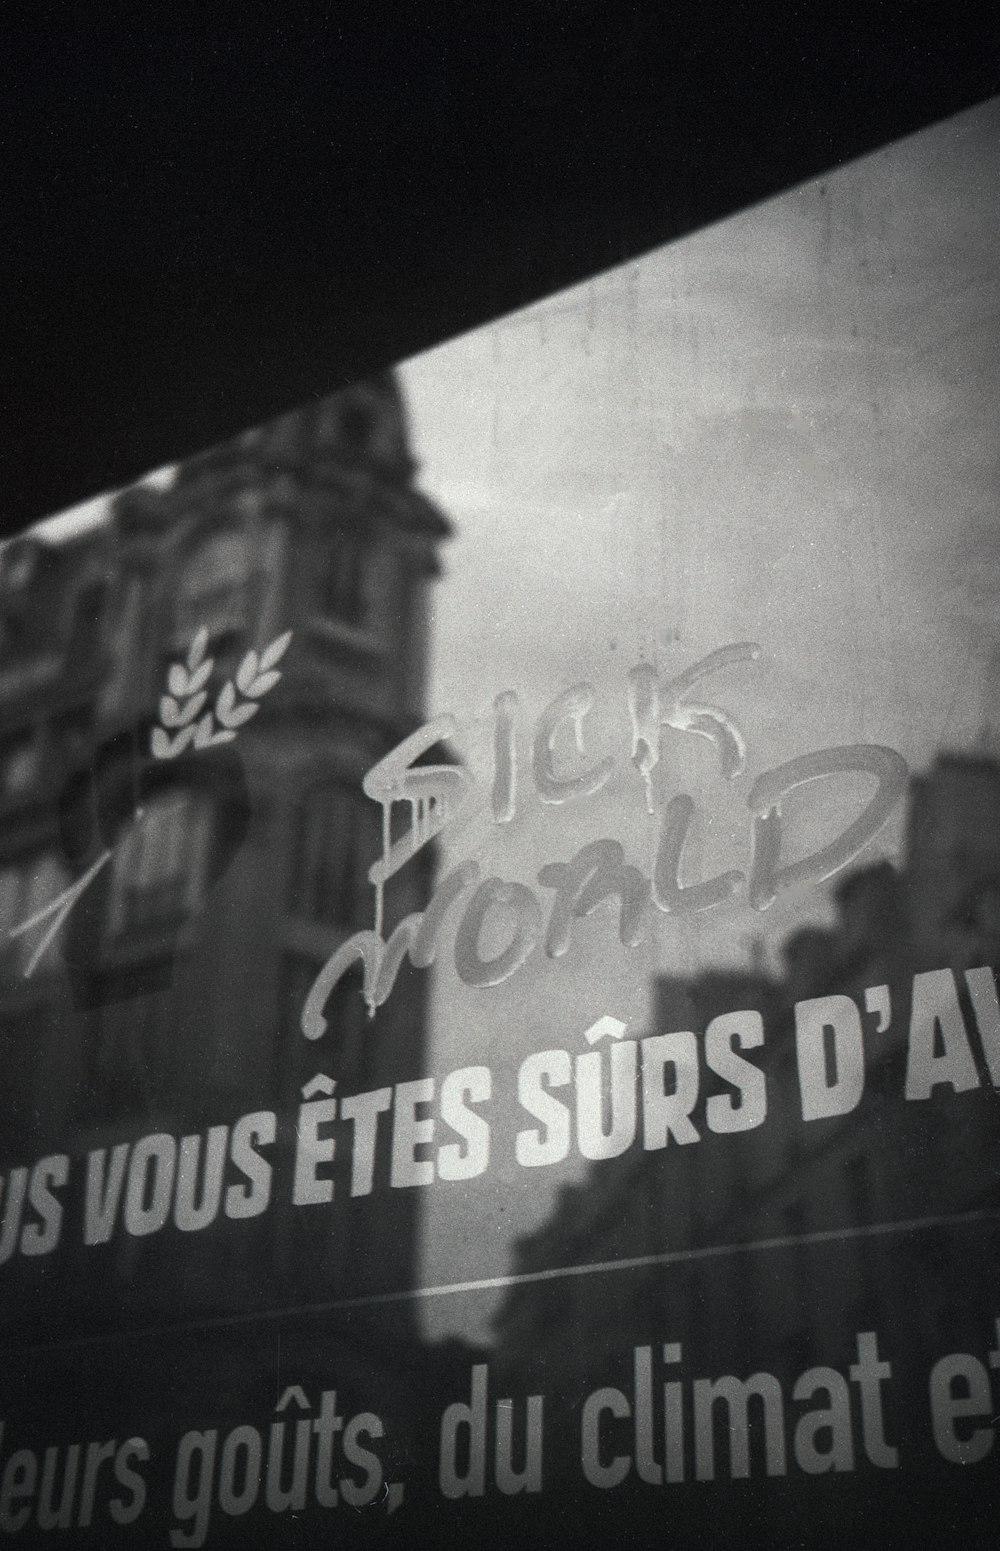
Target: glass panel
x=500 y=901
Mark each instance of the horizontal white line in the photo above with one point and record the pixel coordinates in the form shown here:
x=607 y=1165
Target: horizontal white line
x=492 y=1283
x=677 y=1257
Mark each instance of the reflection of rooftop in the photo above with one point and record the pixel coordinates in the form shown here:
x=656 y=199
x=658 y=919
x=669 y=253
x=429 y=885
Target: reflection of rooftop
x=942 y=908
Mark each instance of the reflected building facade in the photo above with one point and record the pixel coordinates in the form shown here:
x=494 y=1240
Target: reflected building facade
x=773 y=1247
x=168 y=1001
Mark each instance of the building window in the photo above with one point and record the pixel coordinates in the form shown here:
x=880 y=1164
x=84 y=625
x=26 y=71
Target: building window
x=127 y=631
x=358 y=421
x=160 y=868
x=26 y=629
x=215 y=591
x=88 y=621
x=337 y=842
x=25 y=888
x=126 y=1049
x=69 y=734
x=19 y=763
x=345 y=586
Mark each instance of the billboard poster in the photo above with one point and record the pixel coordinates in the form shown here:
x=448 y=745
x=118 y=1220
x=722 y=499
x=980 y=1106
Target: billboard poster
x=499 y=921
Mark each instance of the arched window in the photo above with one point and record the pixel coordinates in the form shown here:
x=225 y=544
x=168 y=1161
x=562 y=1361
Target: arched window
x=215 y=590
x=358 y=424
x=25 y=888
x=337 y=841
x=20 y=763
x=159 y=873
x=345 y=579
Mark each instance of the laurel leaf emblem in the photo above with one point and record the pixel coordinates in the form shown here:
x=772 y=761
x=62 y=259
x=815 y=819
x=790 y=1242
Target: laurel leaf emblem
x=247 y=672
x=173 y=714
x=197 y=650
x=274 y=653
x=263 y=683
x=183 y=708
x=164 y=747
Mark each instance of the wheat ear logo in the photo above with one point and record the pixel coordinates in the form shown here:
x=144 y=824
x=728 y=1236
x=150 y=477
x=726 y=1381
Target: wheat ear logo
x=184 y=723
x=181 y=718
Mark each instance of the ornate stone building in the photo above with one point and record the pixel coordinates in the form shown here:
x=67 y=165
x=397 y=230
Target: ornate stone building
x=217 y=882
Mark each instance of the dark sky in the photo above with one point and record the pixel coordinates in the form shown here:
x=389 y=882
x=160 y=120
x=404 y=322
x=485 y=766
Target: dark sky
x=204 y=227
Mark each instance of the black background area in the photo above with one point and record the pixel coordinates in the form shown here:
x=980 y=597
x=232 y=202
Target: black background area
x=205 y=226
